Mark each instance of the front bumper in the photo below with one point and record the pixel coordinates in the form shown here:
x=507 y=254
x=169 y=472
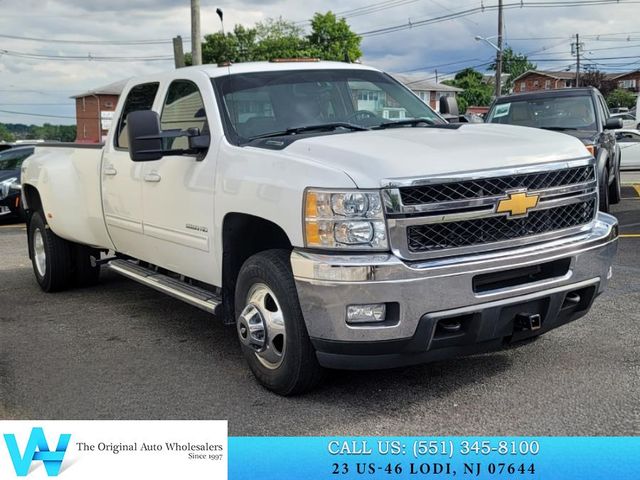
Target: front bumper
x=419 y=295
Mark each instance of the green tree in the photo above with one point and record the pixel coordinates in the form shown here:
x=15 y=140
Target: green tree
x=330 y=39
x=333 y=39
x=514 y=65
x=278 y=38
x=236 y=46
x=5 y=134
x=621 y=98
x=475 y=90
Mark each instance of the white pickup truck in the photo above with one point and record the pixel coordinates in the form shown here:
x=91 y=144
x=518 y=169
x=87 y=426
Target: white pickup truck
x=328 y=213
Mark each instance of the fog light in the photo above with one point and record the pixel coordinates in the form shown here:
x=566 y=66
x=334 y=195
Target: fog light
x=374 y=312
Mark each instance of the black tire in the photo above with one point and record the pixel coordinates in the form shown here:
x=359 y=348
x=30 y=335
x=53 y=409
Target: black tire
x=604 y=192
x=84 y=273
x=615 y=194
x=298 y=370
x=53 y=271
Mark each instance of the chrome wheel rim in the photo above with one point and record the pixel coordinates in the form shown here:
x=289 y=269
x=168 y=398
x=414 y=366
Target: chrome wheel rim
x=39 y=253
x=261 y=326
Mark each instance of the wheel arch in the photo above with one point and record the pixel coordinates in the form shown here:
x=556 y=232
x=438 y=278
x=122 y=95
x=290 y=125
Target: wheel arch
x=244 y=235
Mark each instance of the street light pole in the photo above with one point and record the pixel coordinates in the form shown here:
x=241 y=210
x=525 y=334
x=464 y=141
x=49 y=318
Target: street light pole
x=499 y=53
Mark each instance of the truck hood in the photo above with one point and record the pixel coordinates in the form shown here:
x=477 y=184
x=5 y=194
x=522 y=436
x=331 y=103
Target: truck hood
x=373 y=156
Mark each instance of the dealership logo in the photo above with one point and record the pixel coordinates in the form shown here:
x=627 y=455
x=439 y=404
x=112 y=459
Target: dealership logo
x=517 y=204
x=37 y=449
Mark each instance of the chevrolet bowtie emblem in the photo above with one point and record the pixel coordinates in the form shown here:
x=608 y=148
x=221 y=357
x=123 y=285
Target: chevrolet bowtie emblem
x=517 y=204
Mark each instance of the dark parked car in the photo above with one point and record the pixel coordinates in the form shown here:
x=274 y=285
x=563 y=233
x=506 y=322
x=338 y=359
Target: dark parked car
x=10 y=163
x=581 y=112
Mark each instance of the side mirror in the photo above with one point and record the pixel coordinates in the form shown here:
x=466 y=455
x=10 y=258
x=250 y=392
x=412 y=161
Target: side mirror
x=449 y=107
x=145 y=141
x=613 y=123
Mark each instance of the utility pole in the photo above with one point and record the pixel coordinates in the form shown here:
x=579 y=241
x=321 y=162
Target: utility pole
x=178 y=52
x=578 y=52
x=196 y=45
x=499 y=54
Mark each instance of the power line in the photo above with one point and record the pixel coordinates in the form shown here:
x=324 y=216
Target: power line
x=90 y=42
x=88 y=57
x=483 y=8
x=40 y=114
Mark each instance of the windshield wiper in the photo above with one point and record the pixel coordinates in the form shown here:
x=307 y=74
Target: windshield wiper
x=310 y=128
x=413 y=122
x=559 y=129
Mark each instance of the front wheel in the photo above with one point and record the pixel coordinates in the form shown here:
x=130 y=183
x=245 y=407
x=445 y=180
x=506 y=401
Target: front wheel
x=271 y=327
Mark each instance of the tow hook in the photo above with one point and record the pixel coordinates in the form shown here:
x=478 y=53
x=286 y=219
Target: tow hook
x=528 y=321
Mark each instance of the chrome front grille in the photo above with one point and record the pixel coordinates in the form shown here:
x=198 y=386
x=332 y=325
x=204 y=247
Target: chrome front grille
x=476 y=212
x=470 y=189
x=439 y=236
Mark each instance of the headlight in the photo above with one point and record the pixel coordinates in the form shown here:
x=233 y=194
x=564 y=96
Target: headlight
x=6 y=185
x=344 y=219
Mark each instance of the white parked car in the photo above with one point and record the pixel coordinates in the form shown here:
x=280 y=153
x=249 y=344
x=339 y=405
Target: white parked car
x=278 y=197
x=628 y=119
x=629 y=142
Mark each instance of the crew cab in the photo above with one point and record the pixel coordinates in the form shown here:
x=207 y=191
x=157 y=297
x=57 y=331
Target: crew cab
x=579 y=112
x=328 y=214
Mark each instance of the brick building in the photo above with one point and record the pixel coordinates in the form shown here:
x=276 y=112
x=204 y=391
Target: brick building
x=628 y=81
x=533 y=80
x=94 y=112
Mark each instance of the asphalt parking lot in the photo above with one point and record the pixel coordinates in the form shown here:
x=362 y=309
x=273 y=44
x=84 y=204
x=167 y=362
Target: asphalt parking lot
x=123 y=351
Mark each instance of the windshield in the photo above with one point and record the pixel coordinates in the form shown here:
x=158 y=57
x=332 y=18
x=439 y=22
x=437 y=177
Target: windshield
x=553 y=112
x=12 y=160
x=257 y=104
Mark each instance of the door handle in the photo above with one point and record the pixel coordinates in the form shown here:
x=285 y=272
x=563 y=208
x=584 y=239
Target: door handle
x=152 y=177
x=110 y=170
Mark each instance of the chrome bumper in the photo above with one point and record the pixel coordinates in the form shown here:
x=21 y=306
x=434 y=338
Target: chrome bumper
x=327 y=284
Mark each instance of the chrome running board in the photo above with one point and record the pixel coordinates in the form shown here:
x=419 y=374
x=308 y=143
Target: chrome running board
x=198 y=297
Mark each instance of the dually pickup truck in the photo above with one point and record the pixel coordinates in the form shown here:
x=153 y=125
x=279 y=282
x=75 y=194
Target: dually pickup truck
x=329 y=214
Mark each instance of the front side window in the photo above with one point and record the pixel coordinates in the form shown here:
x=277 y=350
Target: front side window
x=183 y=109
x=140 y=97
x=258 y=104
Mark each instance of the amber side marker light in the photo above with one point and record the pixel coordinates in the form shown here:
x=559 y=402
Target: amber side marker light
x=591 y=149
x=293 y=60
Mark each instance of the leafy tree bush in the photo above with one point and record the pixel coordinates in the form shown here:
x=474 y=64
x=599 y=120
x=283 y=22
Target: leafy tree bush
x=621 y=98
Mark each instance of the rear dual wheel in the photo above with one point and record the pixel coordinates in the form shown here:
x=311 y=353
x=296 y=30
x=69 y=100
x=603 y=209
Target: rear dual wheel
x=57 y=263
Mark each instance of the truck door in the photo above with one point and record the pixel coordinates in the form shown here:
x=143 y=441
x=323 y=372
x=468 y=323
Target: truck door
x=177 y=190
x=122 y=178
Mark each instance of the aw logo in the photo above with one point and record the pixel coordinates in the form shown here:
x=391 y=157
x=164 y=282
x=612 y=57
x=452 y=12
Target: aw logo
x=37 y=450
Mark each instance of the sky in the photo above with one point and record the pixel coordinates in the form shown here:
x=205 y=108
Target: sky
x=31 y=82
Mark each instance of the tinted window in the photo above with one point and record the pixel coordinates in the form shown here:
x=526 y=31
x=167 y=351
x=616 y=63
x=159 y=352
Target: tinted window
x=573 y=112
x=183 y=109
x=140 y=97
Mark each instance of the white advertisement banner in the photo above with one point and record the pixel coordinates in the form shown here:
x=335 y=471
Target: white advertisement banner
x=97 y=450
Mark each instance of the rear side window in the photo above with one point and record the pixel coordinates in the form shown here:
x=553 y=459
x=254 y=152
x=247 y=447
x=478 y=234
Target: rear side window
x=140 y=97
x=183 y=109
